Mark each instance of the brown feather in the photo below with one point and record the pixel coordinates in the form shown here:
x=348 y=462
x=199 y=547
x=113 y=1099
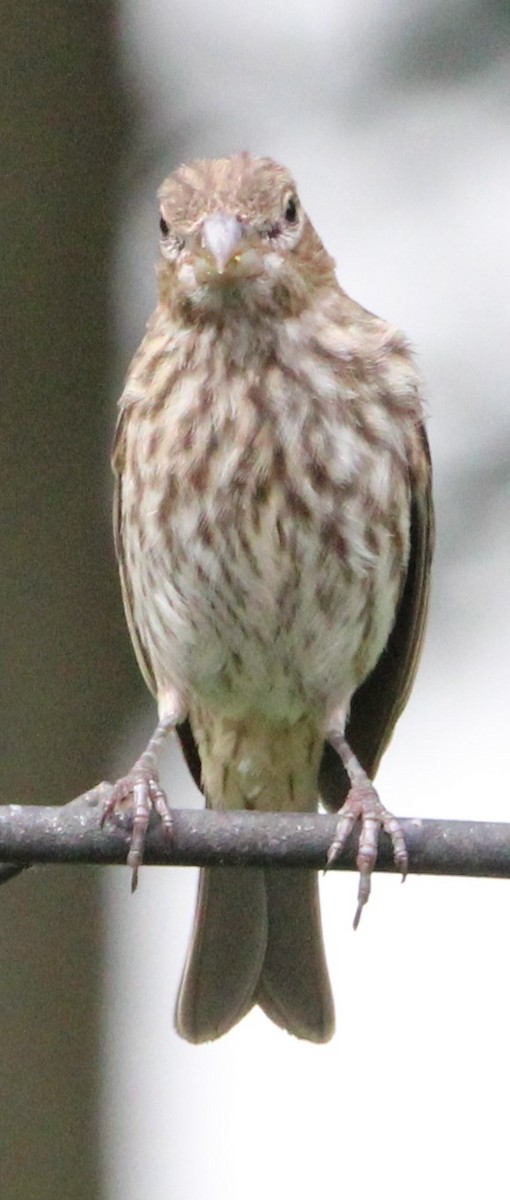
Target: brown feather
x=118 y=462
x=379 y=701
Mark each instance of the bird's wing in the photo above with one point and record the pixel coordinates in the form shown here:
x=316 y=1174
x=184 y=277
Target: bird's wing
x=190 y=750
x=118 y=461
x=380 y=700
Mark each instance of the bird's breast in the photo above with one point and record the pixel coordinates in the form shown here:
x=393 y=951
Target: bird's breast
x=265 y=537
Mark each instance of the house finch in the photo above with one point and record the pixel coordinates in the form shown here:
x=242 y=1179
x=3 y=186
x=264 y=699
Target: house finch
x=273 y=529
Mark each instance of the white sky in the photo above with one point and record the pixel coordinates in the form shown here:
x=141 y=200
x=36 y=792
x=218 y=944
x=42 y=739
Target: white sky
x=409 y=187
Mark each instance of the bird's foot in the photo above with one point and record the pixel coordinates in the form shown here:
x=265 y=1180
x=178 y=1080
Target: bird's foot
x=363 y=804
x=139 y=792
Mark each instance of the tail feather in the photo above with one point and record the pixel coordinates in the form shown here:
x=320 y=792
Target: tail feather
x=227 y=950
x=257 y=939
x=294 y=988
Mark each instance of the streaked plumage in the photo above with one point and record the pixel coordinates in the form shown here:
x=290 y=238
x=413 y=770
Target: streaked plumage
x=273 y=528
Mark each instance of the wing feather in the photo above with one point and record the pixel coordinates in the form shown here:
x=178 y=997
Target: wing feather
x=118 y=463
x=380 y=700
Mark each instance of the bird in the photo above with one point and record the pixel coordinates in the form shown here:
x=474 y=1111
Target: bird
x=273 y=526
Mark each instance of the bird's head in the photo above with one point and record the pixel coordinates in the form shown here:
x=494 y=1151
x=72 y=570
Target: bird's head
x=234 y=234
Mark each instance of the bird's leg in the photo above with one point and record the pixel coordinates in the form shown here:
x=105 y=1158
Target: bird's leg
x=363 y=804
x=142 y=789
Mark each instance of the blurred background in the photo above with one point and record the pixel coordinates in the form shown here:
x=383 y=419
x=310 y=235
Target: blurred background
x=395 y=121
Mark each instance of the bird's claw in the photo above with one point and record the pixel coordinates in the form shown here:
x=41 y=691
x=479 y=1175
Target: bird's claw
x=139 y=792
x=363 y=804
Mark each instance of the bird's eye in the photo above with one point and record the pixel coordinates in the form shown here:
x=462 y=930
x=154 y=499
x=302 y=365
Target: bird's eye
x=171 y=243
x=291 y=210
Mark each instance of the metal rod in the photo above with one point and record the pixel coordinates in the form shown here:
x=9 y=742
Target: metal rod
x=73 y=833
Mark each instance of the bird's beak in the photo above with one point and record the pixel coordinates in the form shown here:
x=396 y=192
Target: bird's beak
x=221 y=237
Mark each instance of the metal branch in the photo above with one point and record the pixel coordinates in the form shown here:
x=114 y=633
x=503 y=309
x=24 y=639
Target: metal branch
x=73 y=833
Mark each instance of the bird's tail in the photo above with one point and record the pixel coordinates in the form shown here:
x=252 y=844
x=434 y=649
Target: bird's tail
x=257 y=937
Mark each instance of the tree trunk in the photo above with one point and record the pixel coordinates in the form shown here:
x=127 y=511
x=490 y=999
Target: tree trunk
x=65 y=663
